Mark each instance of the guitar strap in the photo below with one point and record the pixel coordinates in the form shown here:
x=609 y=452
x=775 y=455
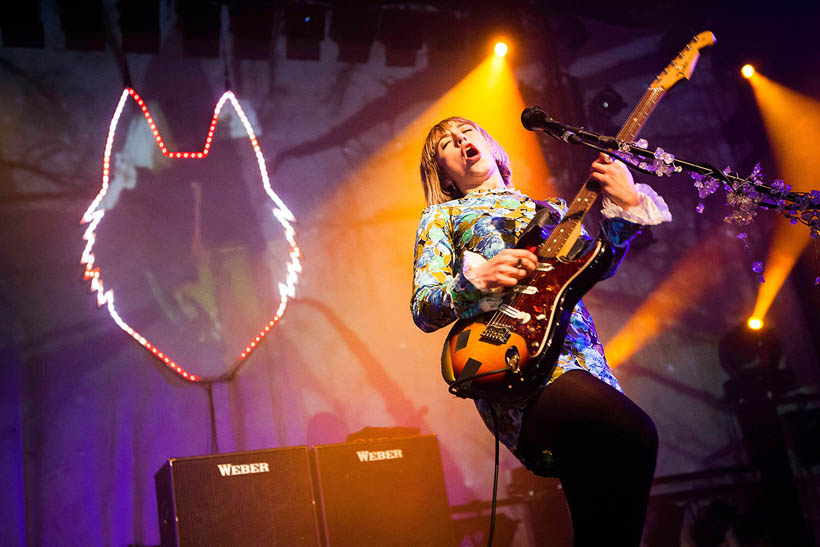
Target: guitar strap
x=533 y=234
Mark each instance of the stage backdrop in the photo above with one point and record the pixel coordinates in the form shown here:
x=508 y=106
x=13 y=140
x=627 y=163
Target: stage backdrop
x=194 y=256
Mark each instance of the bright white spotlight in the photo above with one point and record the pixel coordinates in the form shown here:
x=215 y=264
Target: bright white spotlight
x=500 y=49
x=754 y=323
x=748 y=71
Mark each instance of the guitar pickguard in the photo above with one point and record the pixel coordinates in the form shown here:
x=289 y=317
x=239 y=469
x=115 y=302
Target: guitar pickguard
x=512 y=361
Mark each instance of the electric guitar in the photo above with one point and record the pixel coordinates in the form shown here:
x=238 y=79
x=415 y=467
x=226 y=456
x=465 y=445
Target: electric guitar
x=506 y=354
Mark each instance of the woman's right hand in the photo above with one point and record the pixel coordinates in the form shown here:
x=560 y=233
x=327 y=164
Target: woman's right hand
x=505 y=269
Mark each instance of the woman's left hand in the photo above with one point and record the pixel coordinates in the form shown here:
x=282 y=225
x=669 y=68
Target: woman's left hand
x=616 y=181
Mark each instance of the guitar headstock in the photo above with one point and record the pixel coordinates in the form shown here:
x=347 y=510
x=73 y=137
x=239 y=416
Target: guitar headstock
x=683 y=65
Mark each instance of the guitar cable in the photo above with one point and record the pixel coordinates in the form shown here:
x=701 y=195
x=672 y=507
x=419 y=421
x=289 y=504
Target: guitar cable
x=460 y=382
x=495 y=479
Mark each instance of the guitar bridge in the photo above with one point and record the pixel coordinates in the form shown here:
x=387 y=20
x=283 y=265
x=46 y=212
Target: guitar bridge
x=495 y=335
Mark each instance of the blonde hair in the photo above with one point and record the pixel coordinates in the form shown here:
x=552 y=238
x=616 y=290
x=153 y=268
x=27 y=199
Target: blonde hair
x=432 y=175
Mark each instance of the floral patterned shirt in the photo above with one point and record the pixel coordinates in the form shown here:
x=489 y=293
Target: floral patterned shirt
x=485 y=222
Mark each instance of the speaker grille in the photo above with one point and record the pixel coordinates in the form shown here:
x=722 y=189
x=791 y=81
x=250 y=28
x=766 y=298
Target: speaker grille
x=385 y=492
x=261 y=497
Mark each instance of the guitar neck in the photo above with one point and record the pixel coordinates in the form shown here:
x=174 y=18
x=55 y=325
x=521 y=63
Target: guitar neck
x=564 y=235
x=639 y=115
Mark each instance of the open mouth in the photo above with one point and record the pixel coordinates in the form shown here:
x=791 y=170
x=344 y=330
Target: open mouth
x=471 y=152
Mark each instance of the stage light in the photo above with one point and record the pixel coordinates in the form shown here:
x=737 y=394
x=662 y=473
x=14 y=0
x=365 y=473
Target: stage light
x=251 y=25
x=399 y=32
x=305 y=30
x=353 y=28
x=83 y=24
x=21 y=25
x=139 y=25
x=754 y=323
x=606 y=103
x=201 y=23
x=748 y=71
x=500 y=49
x=749 y=356
x=446 y=40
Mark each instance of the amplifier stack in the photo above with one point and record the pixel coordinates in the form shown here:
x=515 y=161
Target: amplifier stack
x=381 y=492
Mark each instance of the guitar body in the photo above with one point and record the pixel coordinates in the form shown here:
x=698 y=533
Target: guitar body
x=508 y=359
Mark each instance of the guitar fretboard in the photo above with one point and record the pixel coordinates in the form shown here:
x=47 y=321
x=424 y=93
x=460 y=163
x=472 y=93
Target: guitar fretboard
x=564 y=235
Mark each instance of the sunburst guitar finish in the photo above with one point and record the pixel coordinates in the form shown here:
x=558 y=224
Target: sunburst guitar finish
x=503 y=357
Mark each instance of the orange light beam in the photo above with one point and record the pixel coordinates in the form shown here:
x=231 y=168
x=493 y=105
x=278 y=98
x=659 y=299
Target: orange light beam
x=488 y=95
x=786 y=114
x=679 y=292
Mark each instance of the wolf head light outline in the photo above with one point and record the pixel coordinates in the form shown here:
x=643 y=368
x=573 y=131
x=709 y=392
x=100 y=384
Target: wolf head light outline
x=95 y=213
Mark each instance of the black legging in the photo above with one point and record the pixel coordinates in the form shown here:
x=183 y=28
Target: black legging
x=604 y=448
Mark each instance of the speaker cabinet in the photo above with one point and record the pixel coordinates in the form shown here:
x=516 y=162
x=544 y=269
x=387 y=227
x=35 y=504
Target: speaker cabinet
x=384 y=492
x=260 y=497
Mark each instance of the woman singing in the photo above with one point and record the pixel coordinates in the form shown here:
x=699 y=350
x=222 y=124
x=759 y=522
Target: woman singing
x=578 y=425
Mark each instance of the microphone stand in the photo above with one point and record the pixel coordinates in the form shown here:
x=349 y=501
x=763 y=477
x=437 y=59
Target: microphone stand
x=797 y=206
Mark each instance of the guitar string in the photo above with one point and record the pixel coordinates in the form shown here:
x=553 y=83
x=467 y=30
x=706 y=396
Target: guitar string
x=635 y=122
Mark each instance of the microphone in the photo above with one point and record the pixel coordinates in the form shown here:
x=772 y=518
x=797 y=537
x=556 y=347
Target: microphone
x=535 y=119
